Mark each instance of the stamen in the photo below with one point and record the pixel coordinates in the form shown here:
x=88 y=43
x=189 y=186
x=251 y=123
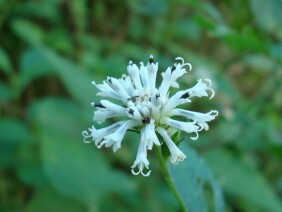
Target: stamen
x=151 y=59
x=130 y=111
x=157 y=96
x=146 y=120
x=185 y=96
x=97 y=105
x=109 y=80
x=173 y=68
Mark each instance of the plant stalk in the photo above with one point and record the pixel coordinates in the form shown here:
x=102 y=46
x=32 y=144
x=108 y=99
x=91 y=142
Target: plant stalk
x=168 y=178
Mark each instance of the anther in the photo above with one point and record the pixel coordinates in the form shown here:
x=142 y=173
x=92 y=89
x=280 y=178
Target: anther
x=109 y=80
x=97 y=105
x=173 y=68
x=130 y=111
x=151 y=59
x=146 y=120
x=157 y=96
x=184 y=96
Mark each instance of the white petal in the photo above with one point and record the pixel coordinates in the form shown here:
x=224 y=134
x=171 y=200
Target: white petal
x=106 y=90
x=152 y=73
x=175 y=100
x=150 y=135
x=188 y=127
x=171 y=75
x=141 y=160
x=201 y=88
x=114 y=139
x=200 y=118
x=102 y=114
x=118 y=87
x=144 y=76
x=133 y=72
x=99 y=134
x=127 y=84
x=114 y=107
x=176 y=154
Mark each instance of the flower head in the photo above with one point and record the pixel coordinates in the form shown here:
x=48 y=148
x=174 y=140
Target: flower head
x=148 y=109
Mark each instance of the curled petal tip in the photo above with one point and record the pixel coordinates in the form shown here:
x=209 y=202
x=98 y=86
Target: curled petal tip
x=146 y=175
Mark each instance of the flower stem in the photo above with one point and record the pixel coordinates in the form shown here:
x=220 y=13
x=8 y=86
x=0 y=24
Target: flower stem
x=168 y=178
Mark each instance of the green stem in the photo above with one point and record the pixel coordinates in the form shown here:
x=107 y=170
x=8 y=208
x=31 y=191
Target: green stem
x=168 y=178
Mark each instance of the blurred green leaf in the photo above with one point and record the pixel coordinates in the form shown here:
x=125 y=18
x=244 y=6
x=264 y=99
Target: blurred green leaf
x=213 y=12
x=33 y=65
x=41 y=62
x=6 y=93
x=76 y=80
x=8 y=154
x=13 y=131
x=74 y=168
x=28 y=31
x=29 y=169
x=268 y=15
x=148 y=7
x=60 y=40
x=244 y=41
x=46 y=200
x=276 y=51
x=5 y=63
x=47 y=10
x=241 y=179
x=259 y=62
x=191 y=178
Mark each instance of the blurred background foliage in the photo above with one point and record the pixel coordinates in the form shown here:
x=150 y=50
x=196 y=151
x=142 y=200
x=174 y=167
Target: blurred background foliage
x=51 y=50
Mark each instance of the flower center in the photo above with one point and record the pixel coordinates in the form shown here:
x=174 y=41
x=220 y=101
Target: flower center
x=140 y=106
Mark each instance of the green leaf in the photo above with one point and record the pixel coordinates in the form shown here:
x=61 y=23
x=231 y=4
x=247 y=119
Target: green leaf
x=260 y=62
x=75 y=79
x=28 y=31
x=40 y=62
x=268 y=15
x=191 y=178
x=30 y=170
x=13 y=131
x=240 y=178
x=46 y=200
x=34 y=65
x=5 y=64
x=74 y=168
x=244 y=41
x=6 y=93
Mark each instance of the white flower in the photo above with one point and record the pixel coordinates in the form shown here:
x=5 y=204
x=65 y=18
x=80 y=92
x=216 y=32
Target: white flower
x=148 y=109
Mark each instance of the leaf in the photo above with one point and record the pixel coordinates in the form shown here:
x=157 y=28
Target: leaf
x=47 y=199
x=241 y=179
x=6 y=93
x=191 y=177
x=28 y=31
x=260 y=62
x=34 y=65
x=74 y=168
x=148 y=8
x=30 y=170
x=13 y=131
x=268 y=15
x=40 y=62
x=5 y=63
x=76 y=80
x=244 y=41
